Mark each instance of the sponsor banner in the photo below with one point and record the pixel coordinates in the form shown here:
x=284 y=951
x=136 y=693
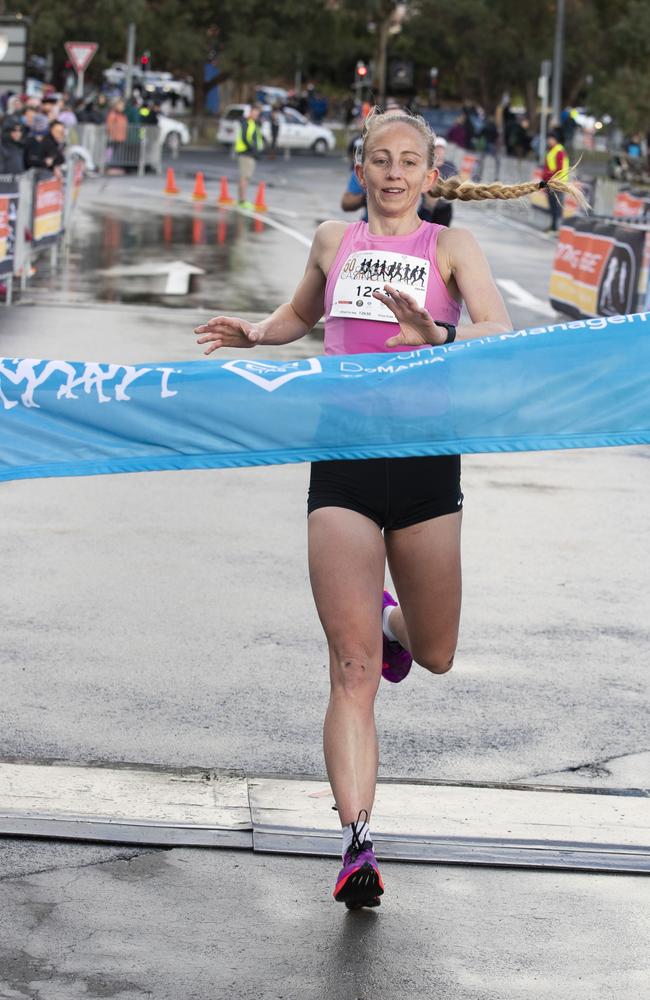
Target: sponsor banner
x=596 y=269
x=631 y=206
x=579 y=384
x=8 y=218
x=47 y=222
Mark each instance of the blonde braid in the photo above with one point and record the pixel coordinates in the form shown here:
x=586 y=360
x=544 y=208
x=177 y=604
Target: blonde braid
x=456 y=187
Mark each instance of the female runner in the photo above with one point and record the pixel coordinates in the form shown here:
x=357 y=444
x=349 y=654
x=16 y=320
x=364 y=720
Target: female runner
x=403 y=510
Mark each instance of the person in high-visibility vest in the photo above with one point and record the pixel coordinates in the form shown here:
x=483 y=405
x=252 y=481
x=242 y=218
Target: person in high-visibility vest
x=248 y=146
x=556 y=164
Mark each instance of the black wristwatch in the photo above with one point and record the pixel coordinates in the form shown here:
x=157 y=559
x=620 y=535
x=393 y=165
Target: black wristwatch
x=450 y=328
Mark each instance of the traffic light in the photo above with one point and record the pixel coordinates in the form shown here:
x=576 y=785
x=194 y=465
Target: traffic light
x=361 y=72
x=145 y=58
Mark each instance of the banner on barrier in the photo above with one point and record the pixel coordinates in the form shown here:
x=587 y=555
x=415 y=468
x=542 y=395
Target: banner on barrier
x=631 y=206
x=579 y=384
x=8 y=217
x=596 y=269
x=47 y=222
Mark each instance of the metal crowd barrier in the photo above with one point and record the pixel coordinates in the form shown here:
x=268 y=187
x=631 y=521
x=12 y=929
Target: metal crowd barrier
x=140 y=150
x=36 y=209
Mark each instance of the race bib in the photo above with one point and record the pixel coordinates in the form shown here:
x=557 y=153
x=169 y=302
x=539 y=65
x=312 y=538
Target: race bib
x=366 y=271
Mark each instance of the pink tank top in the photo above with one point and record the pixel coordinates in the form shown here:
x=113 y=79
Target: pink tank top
x=345 y=334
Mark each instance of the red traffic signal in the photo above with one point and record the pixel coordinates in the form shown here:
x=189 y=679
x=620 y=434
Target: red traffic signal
x=144 y=59
x=361 y=71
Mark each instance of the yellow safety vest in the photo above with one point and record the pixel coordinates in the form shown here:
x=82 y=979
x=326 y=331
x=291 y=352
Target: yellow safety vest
x=253 y=136
x=551 y=161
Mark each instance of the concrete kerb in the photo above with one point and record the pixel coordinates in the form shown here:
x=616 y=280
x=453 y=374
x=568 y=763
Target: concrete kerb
x=502 y=824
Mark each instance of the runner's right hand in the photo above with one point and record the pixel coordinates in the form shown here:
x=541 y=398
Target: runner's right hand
x=228 y=331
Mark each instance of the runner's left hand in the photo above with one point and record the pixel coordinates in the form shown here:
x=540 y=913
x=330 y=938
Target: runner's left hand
x=416 y=328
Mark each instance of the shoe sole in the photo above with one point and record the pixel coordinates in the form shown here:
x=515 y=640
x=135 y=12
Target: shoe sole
x=362 y=888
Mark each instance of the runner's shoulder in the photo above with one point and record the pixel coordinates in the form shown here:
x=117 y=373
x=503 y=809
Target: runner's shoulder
x=329 y=234
x=327 y=240
x=457 y=242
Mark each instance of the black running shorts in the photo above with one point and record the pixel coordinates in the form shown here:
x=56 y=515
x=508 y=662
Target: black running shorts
x=393 y=492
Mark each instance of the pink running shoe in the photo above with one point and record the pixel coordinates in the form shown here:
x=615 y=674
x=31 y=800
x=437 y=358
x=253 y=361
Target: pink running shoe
x=396 y=660
x=359 y=882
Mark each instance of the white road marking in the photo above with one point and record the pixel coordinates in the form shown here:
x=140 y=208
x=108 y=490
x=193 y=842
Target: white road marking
x=520 y=297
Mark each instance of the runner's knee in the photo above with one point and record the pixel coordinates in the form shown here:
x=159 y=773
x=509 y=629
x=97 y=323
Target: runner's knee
x=353 y=671
x=439 y=659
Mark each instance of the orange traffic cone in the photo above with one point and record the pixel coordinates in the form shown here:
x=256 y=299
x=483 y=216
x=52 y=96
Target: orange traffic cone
x=260 y=198
x=199 y=192
x=170 y=186
x=224 y=194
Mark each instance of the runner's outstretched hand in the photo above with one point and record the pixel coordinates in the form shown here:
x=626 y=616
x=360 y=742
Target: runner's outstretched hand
x=227 y=331
x=416 y=328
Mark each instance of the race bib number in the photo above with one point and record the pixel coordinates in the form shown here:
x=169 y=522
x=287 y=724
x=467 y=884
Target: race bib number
x=366 y=271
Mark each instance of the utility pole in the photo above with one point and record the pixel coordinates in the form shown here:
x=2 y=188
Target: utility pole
x=130 y=58
x=542 y=93
x=558 y=57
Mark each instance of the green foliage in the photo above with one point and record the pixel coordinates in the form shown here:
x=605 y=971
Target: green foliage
x=481 y=47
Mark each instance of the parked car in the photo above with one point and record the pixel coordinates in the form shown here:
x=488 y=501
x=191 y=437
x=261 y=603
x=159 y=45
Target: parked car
x=296 y=131
x=173 y=134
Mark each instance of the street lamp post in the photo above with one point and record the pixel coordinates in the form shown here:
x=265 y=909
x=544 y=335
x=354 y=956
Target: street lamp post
x=558 y=56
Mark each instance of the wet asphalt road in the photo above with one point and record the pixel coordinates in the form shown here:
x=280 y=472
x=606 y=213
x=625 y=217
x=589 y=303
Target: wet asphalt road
x=166 y=618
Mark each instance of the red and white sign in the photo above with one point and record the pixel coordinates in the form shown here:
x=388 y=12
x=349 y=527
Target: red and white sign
x=48 y=209
x=80 y=54
x=629 y=206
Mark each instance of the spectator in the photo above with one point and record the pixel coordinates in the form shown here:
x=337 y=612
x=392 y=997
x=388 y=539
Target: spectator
x=438 y=210
x=354 y=197
x=50 y=106
x=116 y=131
x=12 y=147
x=248 y=147
x=27 y=120
x=149 y=114
x=556 y=164
x=132 y=111
x=67 y=115
x=40 y=126
x=52 y=147
x=95 y=113
x=276 y=118
x=633 y=145
x=519 y=138
x=490 y=135
x=456 y=133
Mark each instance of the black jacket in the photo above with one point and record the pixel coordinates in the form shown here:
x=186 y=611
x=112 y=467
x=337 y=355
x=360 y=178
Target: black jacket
x=50 y=150
x=11 y=156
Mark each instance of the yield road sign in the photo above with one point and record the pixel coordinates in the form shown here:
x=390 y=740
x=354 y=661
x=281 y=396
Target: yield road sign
x=80 y=54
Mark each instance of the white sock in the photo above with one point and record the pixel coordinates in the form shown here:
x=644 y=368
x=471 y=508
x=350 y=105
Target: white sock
x=385 y=621
x=363 y=833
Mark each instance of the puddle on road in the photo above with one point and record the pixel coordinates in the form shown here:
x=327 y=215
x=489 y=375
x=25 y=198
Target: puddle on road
x=248 y=266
